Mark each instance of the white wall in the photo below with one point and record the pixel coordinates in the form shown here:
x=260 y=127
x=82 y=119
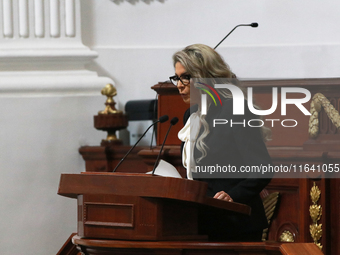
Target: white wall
x=295 y=39
x=135 y=40
x=40 y=137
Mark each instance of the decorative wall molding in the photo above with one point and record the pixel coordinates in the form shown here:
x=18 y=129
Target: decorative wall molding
x=45 y=83
x=40 y=19
x=41 y=51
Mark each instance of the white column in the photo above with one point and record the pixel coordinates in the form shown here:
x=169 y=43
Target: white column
x=23 y=18
x=7 y=15
x=54 y=18
x=39 y=27
x=69 y=18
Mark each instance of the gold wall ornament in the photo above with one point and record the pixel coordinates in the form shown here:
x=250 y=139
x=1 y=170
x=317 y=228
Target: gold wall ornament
x=287 y=237
x=315 y=212
x=315 y=193
x=316 y=231
x=109 y=91
x=320 y=101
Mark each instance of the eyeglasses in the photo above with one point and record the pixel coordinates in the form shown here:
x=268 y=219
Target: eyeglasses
x=184 y=78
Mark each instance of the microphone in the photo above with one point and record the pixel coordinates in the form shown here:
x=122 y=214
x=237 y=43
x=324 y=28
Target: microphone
x=172 y=123
x=162 y=119
x=241 y=25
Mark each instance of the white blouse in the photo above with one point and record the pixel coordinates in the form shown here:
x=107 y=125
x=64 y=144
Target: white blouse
x=188 y=135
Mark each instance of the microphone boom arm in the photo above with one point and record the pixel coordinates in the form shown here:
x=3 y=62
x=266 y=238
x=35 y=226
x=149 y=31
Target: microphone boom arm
x=172 y=123
x=121 y=161
x=244 y=25
x=161 y=120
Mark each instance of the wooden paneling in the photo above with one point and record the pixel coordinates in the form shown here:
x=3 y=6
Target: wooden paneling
x=169 y=103
x=105 y=159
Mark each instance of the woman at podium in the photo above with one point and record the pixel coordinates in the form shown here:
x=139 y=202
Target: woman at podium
x=219 y=147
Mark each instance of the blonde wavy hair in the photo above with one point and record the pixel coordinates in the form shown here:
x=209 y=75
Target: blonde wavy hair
x=201 y=61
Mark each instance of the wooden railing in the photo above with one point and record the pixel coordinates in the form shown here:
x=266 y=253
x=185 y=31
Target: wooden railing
x=69 y=248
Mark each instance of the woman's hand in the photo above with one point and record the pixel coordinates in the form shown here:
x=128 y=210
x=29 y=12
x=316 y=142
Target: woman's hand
x=223 y=196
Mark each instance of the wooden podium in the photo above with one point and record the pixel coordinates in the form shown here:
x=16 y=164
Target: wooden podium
x=140 y=206
x=122 y=213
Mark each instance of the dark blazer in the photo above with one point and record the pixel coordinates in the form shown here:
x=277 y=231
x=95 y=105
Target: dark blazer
x=236 y=146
